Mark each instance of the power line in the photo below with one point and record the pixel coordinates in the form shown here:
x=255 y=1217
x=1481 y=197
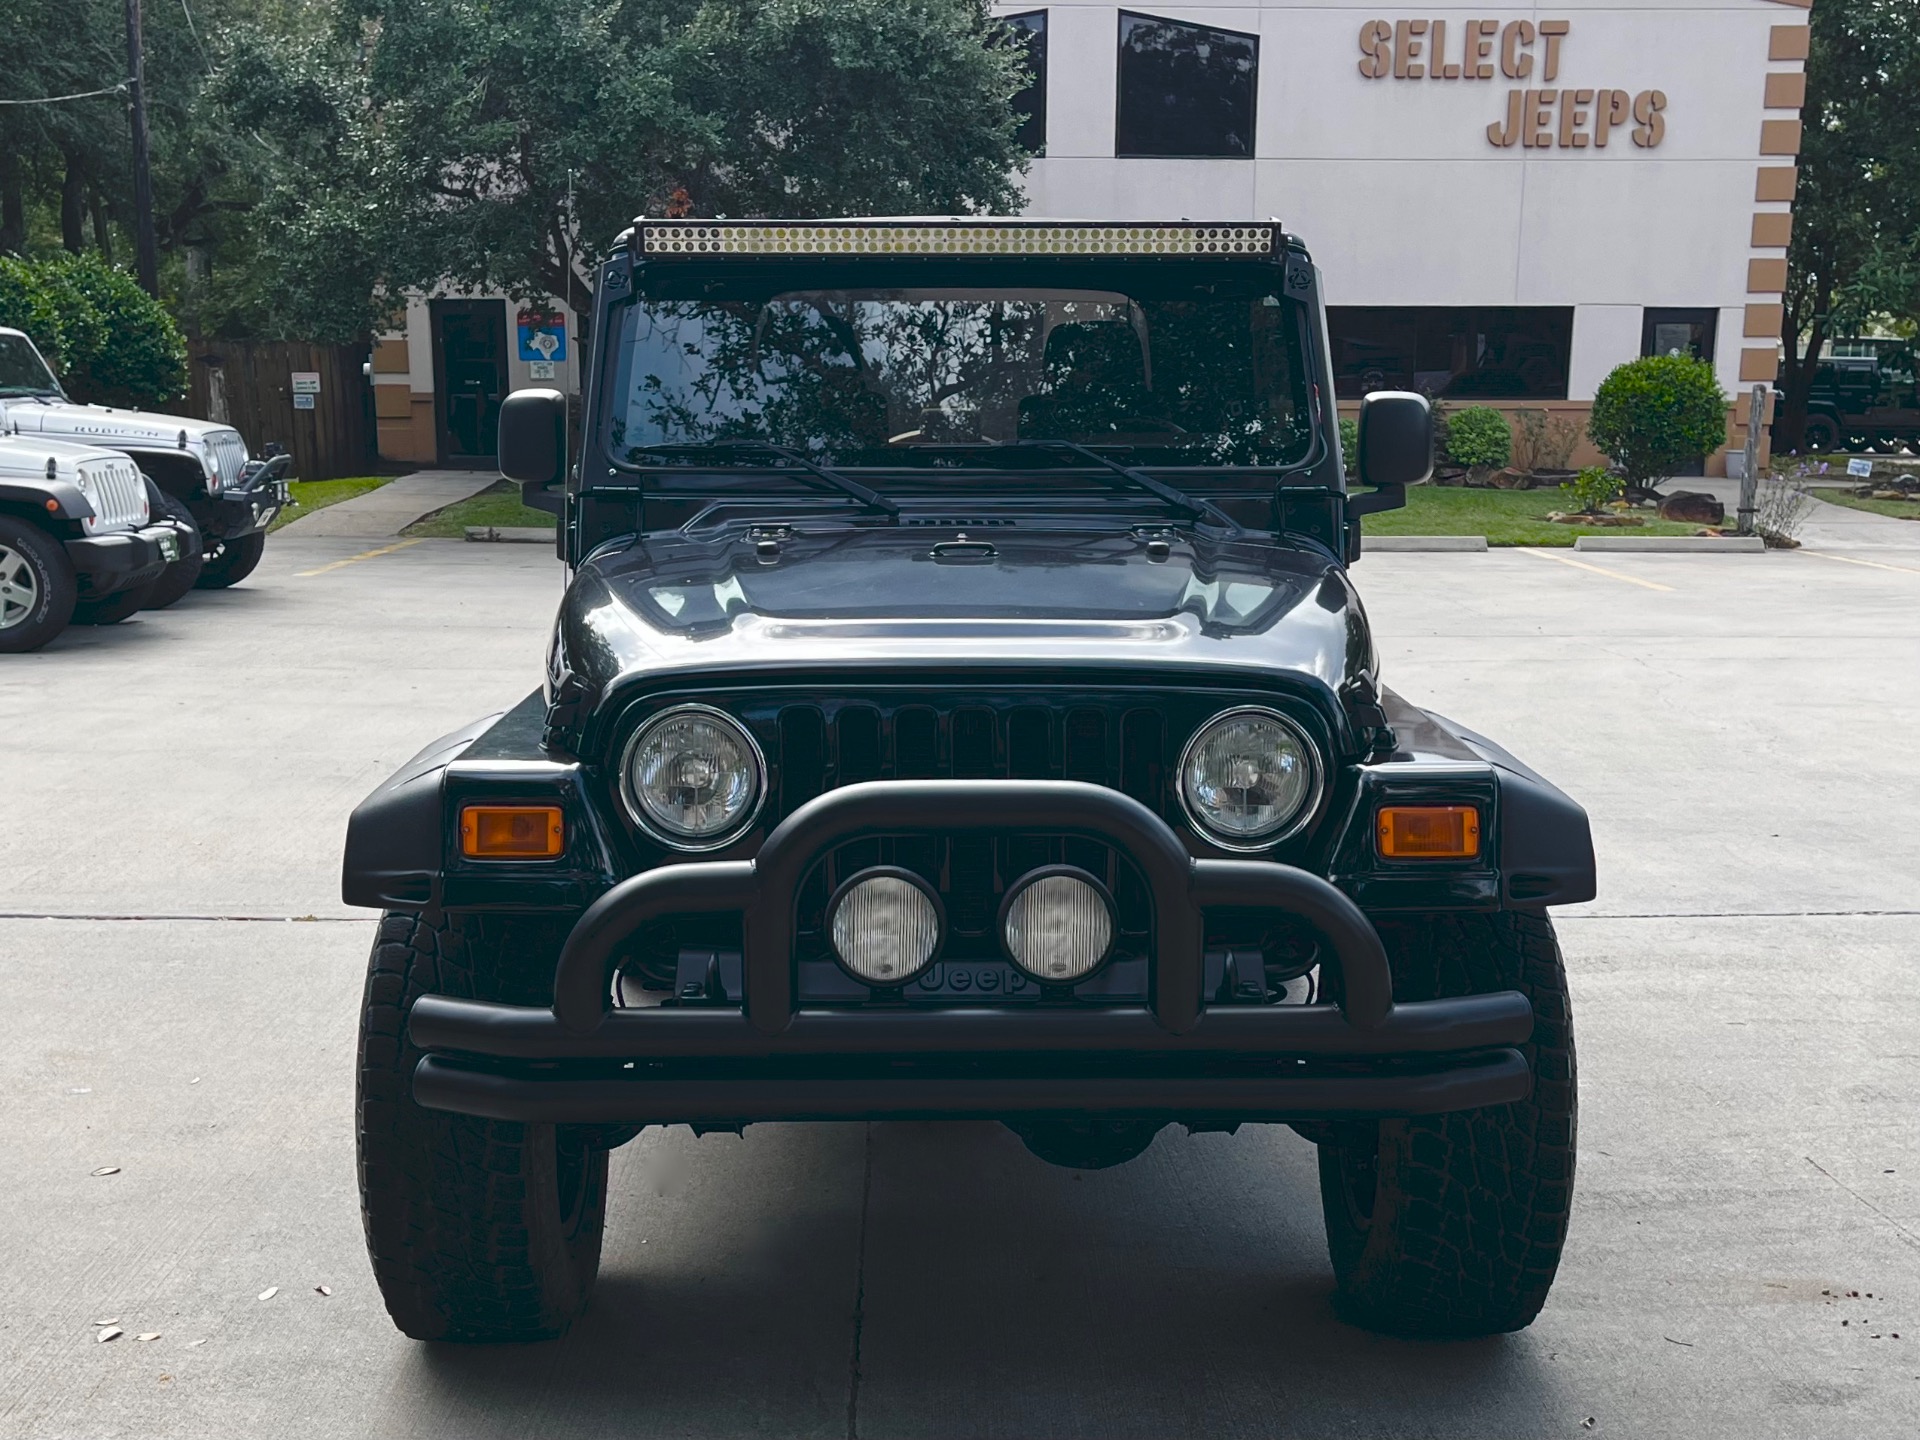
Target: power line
x=119 y=89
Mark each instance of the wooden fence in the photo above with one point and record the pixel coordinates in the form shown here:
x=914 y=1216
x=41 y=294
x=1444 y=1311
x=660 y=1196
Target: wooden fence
x=249 y=384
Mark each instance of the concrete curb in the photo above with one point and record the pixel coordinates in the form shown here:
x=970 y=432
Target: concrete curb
x=1378 y=543
x=1674 y=544
x=511 y=534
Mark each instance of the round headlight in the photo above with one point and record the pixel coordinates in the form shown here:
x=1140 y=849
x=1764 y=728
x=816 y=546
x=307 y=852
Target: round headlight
x=1058 y=925
x=693 y=777
x=884 y=926
x=1249 y=778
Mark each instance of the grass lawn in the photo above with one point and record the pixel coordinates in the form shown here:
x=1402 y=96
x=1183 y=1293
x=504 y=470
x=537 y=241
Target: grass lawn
x=1899 y=509
x=1505 y=517
x=498 y=505
x=312 y=495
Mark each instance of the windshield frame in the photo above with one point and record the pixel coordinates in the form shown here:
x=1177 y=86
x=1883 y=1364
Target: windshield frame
x=55 y=391
x=768 y=279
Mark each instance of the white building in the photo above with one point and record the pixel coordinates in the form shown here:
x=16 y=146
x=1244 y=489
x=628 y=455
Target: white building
x=1506 y=201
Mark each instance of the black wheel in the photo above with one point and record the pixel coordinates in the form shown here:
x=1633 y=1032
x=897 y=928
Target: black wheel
x=1821 y=435
x=1452 y=1225
x=1886 y=445
x=37 y=587
x=229 y=562
x=112 y=609
x=184 y=573
x=479 y=1230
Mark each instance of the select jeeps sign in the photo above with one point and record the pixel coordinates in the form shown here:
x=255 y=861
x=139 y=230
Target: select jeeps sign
x=1542 y=118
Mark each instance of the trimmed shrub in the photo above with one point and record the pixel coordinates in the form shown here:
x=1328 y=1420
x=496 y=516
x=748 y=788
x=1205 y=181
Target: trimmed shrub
x=107 y=338
x=1350 y=444
x=1478 y=437
x=1657 y=415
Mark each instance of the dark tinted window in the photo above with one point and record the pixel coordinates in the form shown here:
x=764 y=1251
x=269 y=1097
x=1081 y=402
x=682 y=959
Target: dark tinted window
x=1185 y=89
x=1679 y=332
x=1481 y=353
x=1030 y=32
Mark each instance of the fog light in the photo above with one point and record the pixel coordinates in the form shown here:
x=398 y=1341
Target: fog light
x=885 y=926
x=1058 y=924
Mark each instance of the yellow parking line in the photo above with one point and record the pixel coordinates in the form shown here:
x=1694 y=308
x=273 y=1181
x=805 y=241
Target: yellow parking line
x=356 y=559
x=1871 y=564
x=1610 y=574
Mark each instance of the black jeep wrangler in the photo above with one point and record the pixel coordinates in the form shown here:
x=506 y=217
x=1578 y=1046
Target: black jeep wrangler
x=961 y=709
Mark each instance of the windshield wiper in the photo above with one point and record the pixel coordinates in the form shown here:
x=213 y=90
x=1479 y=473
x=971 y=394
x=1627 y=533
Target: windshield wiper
x=1194 y=505
x=846 y=484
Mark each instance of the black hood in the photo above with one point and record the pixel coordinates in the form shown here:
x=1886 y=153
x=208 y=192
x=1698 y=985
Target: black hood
x=977 y=597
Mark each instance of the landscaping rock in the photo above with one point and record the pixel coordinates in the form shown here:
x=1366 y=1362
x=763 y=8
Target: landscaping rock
x=1690 y=507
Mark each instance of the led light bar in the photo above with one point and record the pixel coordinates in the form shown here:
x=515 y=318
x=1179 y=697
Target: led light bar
x=665 y=238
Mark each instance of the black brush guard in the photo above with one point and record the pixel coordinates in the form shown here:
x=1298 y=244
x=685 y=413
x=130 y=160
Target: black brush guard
x=586 y=1061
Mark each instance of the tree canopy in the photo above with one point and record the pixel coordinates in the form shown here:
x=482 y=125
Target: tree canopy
x=1856 y=231
x=504 y=146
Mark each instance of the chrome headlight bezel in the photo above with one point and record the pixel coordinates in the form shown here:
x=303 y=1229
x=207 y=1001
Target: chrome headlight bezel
x=665 y=835
x=1286 y=829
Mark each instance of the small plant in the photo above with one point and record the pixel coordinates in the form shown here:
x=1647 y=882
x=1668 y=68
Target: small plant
x=1782 y=503
x=1479 y=438
x=1591 y=488
x=1350 y=444
x=1655 y=416
x=1543 y=441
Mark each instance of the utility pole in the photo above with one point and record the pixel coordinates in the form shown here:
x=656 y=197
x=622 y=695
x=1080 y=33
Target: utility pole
x=1749 y=472
x=146 y=252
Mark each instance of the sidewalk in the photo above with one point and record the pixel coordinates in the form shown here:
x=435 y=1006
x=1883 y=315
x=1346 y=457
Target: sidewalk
x=1827 y=527
x=394 y=506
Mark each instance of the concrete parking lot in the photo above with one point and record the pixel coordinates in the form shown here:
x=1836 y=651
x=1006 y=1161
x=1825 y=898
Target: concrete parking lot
x=182 y=986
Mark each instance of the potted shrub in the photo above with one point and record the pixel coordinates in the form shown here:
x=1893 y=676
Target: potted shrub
x=1479 y=439
x=1653 y=416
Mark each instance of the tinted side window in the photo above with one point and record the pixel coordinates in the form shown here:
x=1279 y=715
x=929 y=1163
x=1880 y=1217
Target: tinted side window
x=1030 y=33
x=1185 y=89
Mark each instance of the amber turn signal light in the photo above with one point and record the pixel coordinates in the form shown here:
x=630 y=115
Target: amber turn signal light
x=1428 y=832
x=512 y=832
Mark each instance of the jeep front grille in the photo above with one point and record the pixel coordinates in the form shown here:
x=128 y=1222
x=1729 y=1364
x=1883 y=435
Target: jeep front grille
x=116 y=492
x=229 y=455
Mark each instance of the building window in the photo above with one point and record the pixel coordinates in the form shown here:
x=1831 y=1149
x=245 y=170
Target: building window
x=1479 y=353
x=1679 y=332
x=1185 y=90
x=1030 y=103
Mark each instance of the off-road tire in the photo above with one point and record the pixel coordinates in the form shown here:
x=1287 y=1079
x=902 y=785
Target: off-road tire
x=112 y=609
x=479 y=1230
x=184 y=573
x=1452 y=1225
x=228 y=562
x=34 y=557
x=1821 y=435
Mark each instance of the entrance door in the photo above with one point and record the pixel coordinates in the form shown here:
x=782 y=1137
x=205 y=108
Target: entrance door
x=470 y=379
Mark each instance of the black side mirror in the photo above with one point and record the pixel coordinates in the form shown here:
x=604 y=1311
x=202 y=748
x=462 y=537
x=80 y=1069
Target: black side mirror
x=1396 y=439
x=533 y=438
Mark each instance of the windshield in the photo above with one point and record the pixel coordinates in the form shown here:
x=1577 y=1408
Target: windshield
x=22 y=371
x=1211 y=373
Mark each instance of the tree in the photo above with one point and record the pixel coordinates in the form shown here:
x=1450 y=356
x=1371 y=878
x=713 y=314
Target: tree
x=1856 y=233
x=504 y=146
x=110 y=340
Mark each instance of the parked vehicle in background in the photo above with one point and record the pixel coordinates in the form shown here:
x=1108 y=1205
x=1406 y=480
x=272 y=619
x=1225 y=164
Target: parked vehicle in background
x=1864 y=402
x=202 y=467
x=77 y=539
x=961 y=709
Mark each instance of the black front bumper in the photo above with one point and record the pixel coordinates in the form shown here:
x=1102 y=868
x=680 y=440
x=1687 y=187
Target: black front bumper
x=585 y=1061
x=251 y=504
x=108 y=564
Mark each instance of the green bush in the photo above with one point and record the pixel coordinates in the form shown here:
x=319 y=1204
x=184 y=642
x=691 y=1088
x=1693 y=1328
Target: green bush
x=1350 y=444
x=1478 y=436
x=1591 y=488
x=1657 y=415
x=108 y=340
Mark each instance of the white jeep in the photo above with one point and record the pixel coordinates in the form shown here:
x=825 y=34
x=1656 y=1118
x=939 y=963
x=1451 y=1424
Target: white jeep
x=78 y=539
x=208 y=482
